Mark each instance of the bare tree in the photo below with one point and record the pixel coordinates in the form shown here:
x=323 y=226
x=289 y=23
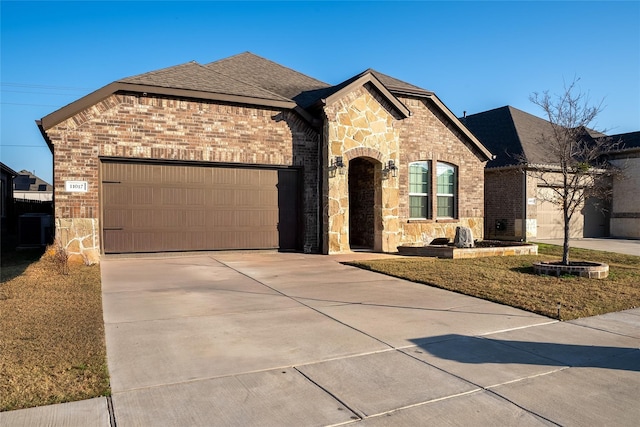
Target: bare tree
x=578 y=168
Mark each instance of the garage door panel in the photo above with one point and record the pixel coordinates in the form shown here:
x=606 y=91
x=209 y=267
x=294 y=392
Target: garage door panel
x=151 y=208
x=222 y=219
x=141 y=218
x=550 y=217
x=173 y=196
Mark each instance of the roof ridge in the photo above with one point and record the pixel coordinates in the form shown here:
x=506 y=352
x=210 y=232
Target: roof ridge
x=209 y=70
x=244 y=82
x=517 y=134
x=248 y=53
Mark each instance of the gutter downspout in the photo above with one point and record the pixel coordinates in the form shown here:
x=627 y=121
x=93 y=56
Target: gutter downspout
x=524 y=205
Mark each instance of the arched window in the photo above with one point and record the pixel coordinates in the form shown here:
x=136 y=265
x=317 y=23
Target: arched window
x=447 y=189
x=419 y=189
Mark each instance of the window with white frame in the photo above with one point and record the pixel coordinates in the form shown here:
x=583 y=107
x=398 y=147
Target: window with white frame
x=446 y=190
x=419 y=188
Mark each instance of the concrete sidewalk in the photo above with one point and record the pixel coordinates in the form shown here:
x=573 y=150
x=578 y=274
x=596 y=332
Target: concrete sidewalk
x=282 y=339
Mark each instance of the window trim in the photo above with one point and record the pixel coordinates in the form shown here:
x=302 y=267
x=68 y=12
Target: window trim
x=453 y=197
x=426 y=196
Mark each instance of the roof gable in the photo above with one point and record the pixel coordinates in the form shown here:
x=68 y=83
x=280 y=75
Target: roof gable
x=362 y=79
x=398 y=86
x=512 y=135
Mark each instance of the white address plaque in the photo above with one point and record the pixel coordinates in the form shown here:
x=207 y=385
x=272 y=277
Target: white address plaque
x=76 y=186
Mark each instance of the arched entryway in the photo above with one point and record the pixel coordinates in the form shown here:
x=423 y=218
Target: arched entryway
x=364 y=203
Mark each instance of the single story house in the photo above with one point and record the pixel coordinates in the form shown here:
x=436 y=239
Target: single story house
x=244 y=153
x=518 y=204
x=625 y=205
x=27 y=186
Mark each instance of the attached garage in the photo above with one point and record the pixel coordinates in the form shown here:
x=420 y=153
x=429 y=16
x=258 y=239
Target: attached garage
x=156 y=207
x=550 y=218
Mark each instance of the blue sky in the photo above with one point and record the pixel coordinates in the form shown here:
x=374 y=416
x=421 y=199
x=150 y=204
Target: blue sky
x=475 y=55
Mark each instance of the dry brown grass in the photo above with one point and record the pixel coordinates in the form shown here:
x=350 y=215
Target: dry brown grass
x=510 y=281
x=52 y=345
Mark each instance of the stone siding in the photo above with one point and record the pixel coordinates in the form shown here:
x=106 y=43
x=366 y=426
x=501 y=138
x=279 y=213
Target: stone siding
x=168 y=129
x=362 y=124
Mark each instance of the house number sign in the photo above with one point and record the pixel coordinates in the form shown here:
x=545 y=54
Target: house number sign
x=76 y=186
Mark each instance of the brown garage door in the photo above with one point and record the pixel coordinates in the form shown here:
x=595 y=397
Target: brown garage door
x=160 y=207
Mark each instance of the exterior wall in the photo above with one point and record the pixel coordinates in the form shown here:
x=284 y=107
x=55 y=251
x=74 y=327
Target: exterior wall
x=166 y=129
x=362 y=124
x=503 y=204
x=426 y=135
x=507 y=201
x=625 y=209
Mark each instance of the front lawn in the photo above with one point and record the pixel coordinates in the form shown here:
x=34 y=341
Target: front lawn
x=52 y=346
x=510 y=280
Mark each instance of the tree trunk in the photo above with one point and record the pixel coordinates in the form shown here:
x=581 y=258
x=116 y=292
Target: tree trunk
x=565 y=243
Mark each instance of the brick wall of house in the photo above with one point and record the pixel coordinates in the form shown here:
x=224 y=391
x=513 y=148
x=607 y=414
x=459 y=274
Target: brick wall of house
x=363 y=124
x=426 y=135
x=148 y=127
x=503 y=202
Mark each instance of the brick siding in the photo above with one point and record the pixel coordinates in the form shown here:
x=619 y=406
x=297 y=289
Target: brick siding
x=159 y=128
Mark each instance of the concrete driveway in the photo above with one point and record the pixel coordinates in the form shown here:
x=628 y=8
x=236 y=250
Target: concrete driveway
x=607 y=244
x=283 y=339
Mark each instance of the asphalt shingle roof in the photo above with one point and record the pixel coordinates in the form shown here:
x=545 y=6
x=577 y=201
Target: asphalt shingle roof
x=394 y=84
x=261 y=72
x=628 y=140
x=26 y=181
x=196 y=77
x=512 y=135
x=252 y=76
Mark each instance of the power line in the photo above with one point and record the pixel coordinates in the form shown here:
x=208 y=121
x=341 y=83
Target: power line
x=30 y=105
x=18 y=145
x=35 y=86
x=35 y=93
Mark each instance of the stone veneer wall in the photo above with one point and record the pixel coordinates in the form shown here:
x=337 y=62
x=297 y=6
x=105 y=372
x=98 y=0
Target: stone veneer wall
x=168 y=129
x=363 y=124
x=360 y=124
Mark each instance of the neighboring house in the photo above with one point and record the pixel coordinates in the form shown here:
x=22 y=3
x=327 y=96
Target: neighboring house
x=625 y=206
x=243 y=153
x=517 y=203
x=27 y=186
x=7 y=176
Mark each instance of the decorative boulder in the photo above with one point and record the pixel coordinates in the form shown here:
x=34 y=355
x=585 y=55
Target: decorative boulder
x=464 y=238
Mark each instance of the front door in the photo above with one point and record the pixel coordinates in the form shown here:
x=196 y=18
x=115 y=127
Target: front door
x=362 y=203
